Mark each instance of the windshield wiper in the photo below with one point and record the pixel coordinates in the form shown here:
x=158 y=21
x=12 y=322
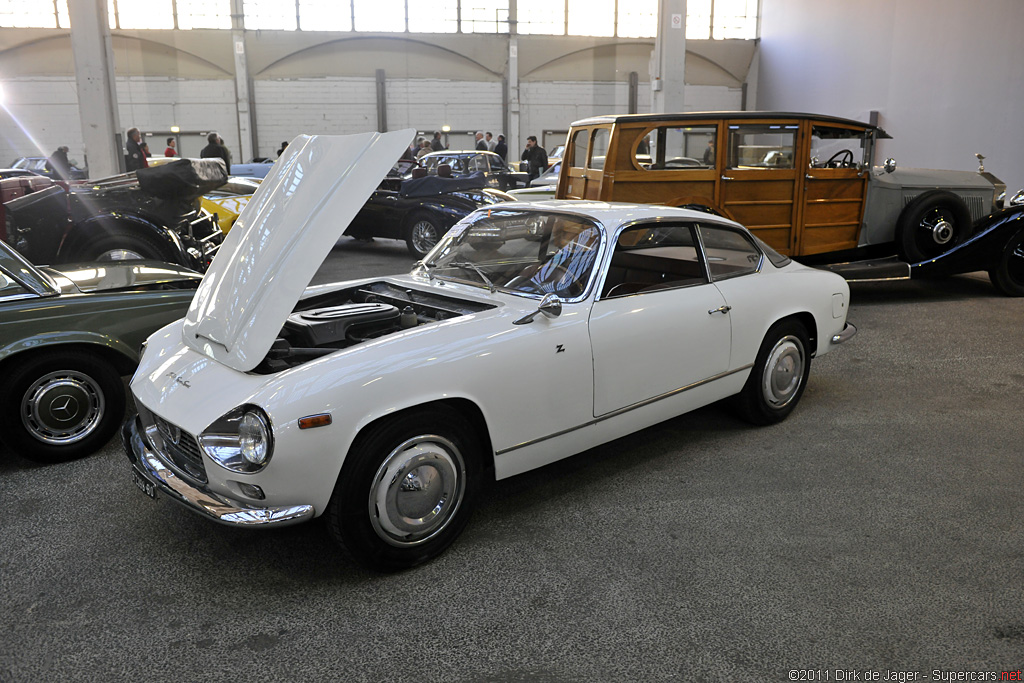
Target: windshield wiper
x=426 y=268
x=467 y=265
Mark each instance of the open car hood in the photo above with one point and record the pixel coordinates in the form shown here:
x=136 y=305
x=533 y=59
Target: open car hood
x=280 y=239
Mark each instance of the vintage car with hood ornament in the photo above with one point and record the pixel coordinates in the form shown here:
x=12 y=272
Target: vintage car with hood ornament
x=530 y=333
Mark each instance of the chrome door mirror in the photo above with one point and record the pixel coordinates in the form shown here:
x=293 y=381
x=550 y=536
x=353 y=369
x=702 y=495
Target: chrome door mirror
x=550 y=306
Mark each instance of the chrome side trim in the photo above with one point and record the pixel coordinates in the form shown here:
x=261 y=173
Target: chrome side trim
x=849 y=330
x=199 y=499
x=626 y=409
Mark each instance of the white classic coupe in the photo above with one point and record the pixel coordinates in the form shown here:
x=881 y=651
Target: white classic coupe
x=531 y=332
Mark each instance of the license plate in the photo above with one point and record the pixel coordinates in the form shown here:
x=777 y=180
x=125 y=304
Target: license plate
x=144 y=484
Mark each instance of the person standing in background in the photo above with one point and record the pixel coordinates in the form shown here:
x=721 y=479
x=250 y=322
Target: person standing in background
x=500 y=148
x=135 y=158
x=481 y=146
x=170 y=151
x=58 y=164
x=536 y=158
x=215 y=150
x=436 y=143
x=284 y=146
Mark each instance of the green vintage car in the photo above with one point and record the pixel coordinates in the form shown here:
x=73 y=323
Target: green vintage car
x=66 y=339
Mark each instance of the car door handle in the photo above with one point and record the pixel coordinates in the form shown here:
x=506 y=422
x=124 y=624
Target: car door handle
x=721 y=309
x=725 y=177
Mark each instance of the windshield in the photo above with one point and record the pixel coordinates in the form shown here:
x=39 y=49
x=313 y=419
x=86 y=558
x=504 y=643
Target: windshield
x=529 y=252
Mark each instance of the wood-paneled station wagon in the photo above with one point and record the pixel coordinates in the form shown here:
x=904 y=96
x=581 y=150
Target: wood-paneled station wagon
x=806 y=185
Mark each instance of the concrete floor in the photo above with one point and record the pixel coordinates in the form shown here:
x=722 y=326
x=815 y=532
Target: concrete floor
x=879 y=528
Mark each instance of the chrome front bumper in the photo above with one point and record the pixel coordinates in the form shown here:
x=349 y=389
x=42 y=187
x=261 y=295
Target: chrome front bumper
x=848 y=331
x=199 y=499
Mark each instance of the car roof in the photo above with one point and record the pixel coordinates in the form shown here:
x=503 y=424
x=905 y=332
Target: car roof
x=613 y=214
x=703 y=116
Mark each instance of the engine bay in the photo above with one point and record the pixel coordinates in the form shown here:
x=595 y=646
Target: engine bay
x=337 y=320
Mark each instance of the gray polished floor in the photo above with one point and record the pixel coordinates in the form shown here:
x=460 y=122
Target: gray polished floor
x=879 y=528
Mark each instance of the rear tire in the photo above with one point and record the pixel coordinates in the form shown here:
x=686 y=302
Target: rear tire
x=779 y=375
x=407 y=489
x=1008 y=274
x=931 y=225
x=61 y=406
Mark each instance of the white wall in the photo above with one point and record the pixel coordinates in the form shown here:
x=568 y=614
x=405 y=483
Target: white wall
x=41 y=113
x=946 y=76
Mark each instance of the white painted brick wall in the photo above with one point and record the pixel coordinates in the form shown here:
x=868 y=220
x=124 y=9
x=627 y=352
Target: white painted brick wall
x=42 y=113
x=334 y=106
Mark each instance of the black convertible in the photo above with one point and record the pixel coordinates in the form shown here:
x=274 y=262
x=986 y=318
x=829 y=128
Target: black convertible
x=421 y=210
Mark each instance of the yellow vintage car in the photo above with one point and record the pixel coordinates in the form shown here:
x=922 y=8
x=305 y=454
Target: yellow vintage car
x=228 y=200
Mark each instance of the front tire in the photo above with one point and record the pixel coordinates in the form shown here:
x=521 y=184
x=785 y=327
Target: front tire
x=931 y=225
x=779 y=375
x=61 y=406
x=123 y=244
x=407 y=489
x=423 y=233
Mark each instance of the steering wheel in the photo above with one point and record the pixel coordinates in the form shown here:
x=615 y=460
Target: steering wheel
x=841 y=159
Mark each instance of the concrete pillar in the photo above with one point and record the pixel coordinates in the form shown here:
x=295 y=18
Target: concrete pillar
x=97 y=89
x=668 y=61
x=243 y=99
x=512 y=78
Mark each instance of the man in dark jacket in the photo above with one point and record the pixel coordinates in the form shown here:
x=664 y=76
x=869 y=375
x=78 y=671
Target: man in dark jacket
x=214 y=150
x=501 y=149
x=136 y=158
x=436 y=143
x=535 y=156
x=59 y=165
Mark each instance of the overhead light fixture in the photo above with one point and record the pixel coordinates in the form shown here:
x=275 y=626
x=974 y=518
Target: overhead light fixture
x=175 y=129
x=446 y=128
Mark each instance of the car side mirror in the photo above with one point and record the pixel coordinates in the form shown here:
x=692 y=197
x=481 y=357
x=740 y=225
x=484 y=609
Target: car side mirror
x=550 y=306
x=890 y=165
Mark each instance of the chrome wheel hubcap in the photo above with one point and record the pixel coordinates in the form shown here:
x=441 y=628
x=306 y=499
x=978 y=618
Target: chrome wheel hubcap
x=417 y=490
x=424 y=237
x=120 y=255
x=62 y=408
x=784 y=372
x=942 y=231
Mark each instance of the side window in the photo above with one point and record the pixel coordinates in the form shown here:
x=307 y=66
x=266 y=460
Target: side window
x=838 y=147
x=762 y=146
x=579 y=147
x=9 y=287
x=674 y=148
x=653 y=257
x=729 y=252
x=599 y=148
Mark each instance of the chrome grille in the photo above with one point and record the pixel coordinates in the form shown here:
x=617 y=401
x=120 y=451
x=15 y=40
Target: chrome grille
x=182 y=449
x=175 y=447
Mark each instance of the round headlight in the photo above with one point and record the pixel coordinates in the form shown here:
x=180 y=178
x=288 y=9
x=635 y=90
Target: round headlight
x=254 y=438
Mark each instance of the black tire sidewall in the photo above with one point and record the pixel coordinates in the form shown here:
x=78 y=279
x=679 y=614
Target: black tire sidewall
x=750 y=401
x=348 y=514
x=1001 y=277
x=28 y=370
x=908 y=224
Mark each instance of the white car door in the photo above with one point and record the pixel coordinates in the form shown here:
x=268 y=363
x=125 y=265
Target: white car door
x=658 y=325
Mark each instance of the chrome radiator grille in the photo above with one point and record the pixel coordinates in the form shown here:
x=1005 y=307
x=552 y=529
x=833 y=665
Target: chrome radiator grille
x=176 y=447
